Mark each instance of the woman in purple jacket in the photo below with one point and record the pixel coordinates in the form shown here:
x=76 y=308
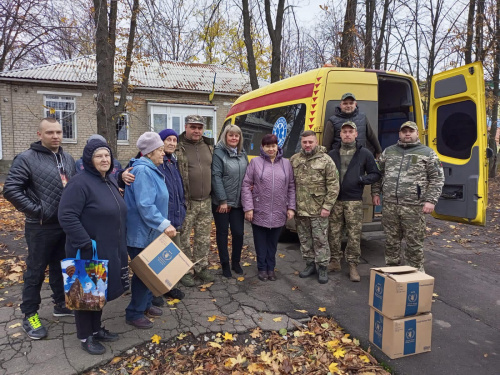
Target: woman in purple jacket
x=268 y=199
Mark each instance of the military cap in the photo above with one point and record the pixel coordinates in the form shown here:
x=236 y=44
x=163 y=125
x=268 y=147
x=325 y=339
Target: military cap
x=349 y=123
x=195 y=119
x=409 y=124
x=348 y=95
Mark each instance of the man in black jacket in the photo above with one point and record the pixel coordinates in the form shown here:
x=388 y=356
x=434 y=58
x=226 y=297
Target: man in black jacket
x=357 y=168
x=34 y=186
x=348 y=110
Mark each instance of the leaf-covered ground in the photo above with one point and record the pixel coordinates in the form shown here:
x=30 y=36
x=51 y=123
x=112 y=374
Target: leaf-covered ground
x=321 y=347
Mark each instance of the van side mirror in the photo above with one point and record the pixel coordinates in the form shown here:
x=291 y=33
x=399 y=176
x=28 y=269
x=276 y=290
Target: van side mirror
x=489 y=152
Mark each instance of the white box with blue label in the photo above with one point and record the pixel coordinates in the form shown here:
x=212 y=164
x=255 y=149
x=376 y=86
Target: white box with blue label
x=400 y=291
x=161 y=265
x=401 y=337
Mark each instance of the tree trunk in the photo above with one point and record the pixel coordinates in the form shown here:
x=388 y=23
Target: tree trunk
x=107 y=112
x=370 y=11
x=276 y=35
x=496 y=93
x=470 y=32
x=380 y=40
x=348 y=35
x=479 y=31
x=247 y=34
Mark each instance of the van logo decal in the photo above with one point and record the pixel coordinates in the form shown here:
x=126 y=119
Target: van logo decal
x=279 y=130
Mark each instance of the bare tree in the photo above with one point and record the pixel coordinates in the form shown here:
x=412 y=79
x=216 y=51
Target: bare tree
x=496 y=93
x=470 y=32
x=275 y=33
x=247 y=25
x=107 y=112
x=479 y=31
x=349 y=34
x=369 y=14
x=381 y=35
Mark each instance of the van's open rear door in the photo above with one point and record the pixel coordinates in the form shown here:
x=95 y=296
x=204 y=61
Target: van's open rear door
x=457 y=132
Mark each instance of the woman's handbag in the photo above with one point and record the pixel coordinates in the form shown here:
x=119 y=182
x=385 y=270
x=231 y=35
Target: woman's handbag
x=85 y=281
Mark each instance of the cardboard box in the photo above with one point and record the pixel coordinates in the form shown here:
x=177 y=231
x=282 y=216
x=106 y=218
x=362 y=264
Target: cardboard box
x=161 y=265
x=401 y=337
x=402 y=291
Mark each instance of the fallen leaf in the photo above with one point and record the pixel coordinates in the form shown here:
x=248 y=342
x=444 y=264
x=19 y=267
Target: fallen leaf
x=435 y=295
x=182 y=336
x=331 y=345
x=333 y=368
x=256 y=333
x=295 y=287
x=302 y=311
x=16 y=334
x=228 y=337
x=281 y=255
x=136 y=369
x=356 y=342
x=115 y=360
x=15 y=325
x=241 y=278
x=246 y=264
x=266 y=358
x=155 y=339
x=283 y=331
x=364 y=358
x=214 y=345
x=207 y=285
x=346 y=339
x=173 y=301
x=325 y=325
x=278 y=319
x=339 y=353
x=211 y=318
x=254 y=367
x=322 y=309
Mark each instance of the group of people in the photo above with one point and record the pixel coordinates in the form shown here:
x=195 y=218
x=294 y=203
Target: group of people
x=178 y=183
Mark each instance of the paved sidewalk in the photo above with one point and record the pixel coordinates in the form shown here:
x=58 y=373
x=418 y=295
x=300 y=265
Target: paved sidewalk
x=466 y=329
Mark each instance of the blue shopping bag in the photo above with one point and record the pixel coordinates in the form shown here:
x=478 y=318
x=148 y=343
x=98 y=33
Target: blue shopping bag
x=85 y=281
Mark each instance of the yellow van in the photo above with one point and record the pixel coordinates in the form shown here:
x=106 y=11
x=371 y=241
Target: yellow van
x=456 y=129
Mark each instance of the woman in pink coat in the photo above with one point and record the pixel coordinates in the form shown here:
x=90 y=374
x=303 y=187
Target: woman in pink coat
x=268 y=199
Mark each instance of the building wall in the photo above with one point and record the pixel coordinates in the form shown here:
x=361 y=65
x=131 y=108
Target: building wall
x=21 y=109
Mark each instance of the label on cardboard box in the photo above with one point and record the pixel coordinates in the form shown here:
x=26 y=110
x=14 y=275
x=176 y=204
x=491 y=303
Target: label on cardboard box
x=397 y=292
x=401 y=337
x=161 y=265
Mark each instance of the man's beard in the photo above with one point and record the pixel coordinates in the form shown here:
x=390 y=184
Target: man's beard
x=308 y=153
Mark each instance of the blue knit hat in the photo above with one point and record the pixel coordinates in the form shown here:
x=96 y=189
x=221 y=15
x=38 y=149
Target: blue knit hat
x=165 y=133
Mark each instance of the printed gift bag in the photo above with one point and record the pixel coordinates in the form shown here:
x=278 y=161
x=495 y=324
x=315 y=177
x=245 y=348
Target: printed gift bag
x=85 y=282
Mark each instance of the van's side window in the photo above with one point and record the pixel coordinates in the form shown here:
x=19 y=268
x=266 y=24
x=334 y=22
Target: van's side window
x=257 y=124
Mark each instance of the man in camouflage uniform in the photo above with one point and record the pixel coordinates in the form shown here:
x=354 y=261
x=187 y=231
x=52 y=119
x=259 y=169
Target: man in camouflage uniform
x=412 y=182
x=194 y=158
x=357 y=168
x=317 y=187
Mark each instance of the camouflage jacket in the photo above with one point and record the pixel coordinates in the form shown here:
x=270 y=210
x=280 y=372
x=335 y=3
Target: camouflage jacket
x=182 y=161
x=316 y=182
x=412 y=174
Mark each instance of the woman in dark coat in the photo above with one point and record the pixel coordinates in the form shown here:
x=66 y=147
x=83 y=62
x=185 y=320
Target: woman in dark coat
x=91 y=208
x=229 y=164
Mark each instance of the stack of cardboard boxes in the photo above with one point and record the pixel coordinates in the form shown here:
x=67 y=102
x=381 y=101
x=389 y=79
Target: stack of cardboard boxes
x=400 y=304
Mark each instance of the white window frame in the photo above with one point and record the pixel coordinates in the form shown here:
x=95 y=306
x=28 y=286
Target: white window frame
x=46 y=110
x=181 y=110
x=127 y=127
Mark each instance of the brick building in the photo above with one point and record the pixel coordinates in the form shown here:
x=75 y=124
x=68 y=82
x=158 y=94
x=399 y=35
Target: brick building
x=163 y=94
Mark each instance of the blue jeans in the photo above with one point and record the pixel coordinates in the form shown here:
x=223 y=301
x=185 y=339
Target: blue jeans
x=141 y=295
x=266 y=244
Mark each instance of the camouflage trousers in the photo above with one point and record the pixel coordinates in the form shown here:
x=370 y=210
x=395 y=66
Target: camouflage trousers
x=199 y=218
x=350 y=214
x=313 y=237
x=408 y=223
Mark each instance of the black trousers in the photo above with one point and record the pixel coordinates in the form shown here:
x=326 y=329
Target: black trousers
x=266 y=244
x=87 y=322
x=236 y=219
x=45 y=248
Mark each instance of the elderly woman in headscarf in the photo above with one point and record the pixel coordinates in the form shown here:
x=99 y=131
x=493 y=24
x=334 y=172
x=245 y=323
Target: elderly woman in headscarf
x=91 y=208
x=229 y=163
x=147 y=204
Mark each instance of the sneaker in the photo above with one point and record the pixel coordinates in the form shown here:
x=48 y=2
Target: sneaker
x=205 y=275
x=153 y=312
x=60 y=309
x=353 y=272
x=158 y=301
x=175 y=293
x=308 y=271
x=33 y=327
x=141 y=323
x=104 y=335
x=93 y=346
x=322 y=275
x=334 y=266
x=237 y=268
x=188 y=280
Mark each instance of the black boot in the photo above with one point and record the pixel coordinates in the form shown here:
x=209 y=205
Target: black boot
x=322 y=274
x=237 y=268
x=308 y=271
x=226 y=271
